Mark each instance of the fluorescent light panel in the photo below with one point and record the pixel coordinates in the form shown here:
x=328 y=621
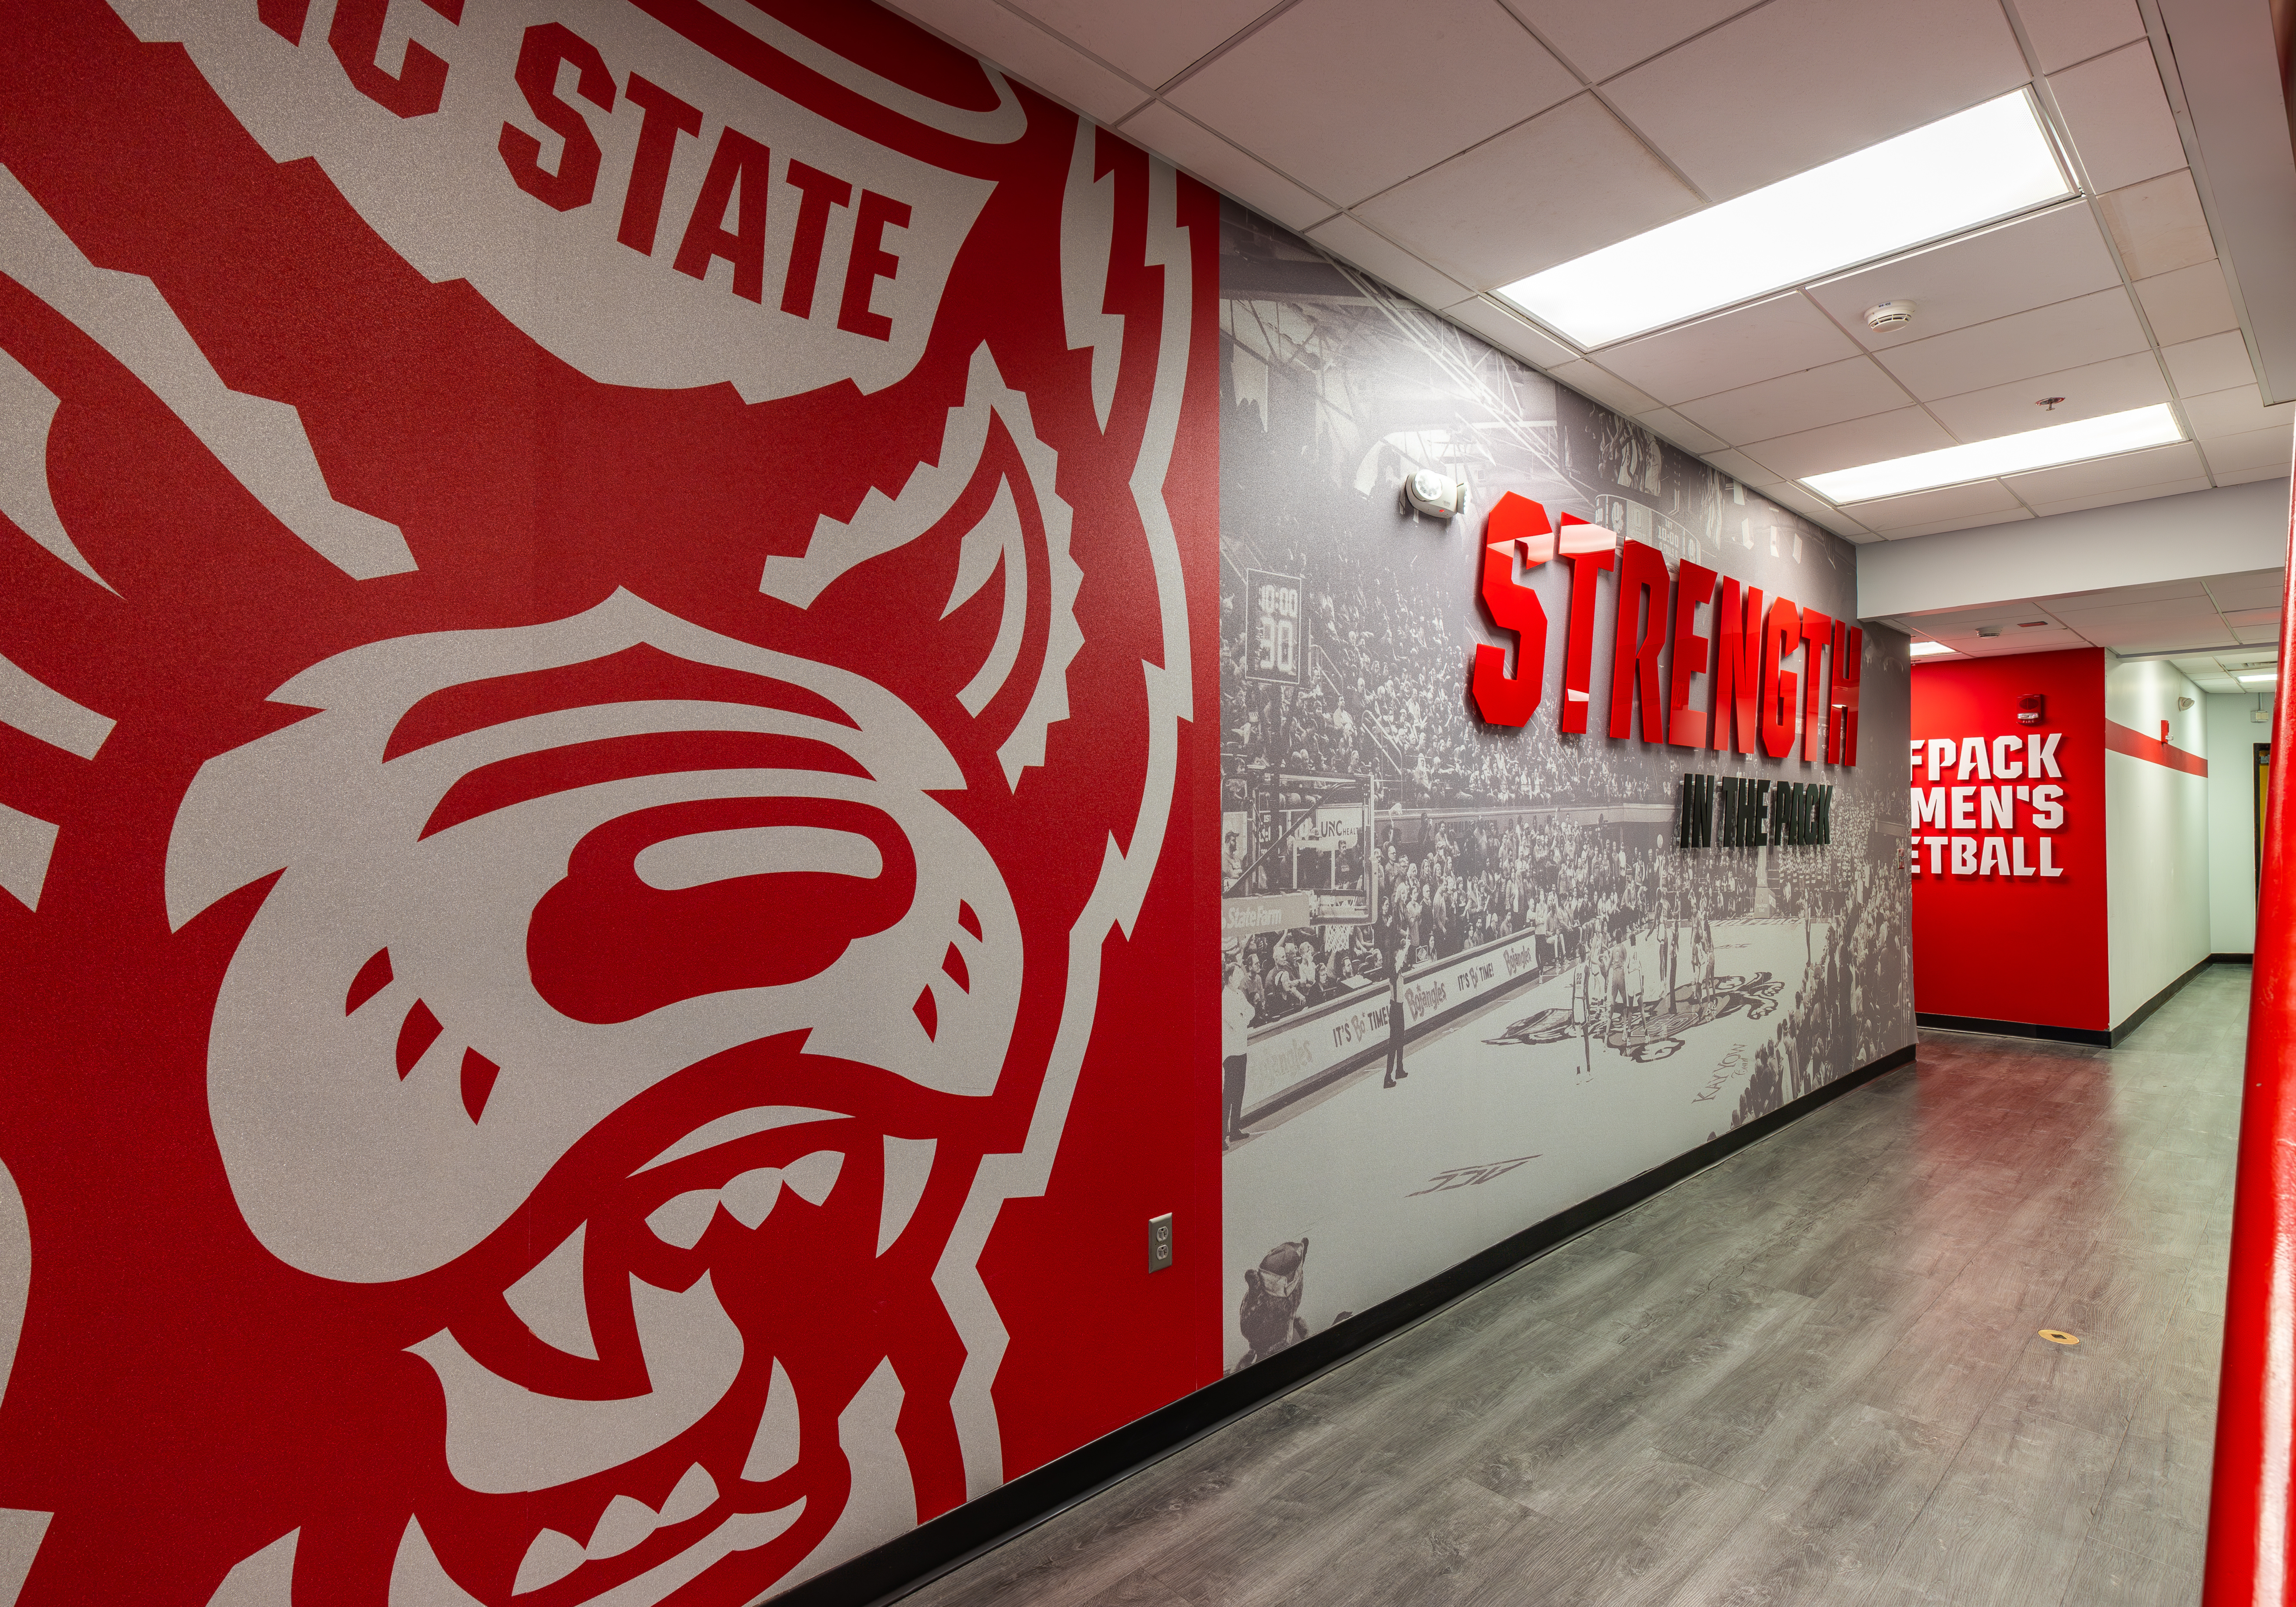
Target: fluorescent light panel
x=1989 y=163
x=1930 y=650
x=2028 y=449
x=2252 y=680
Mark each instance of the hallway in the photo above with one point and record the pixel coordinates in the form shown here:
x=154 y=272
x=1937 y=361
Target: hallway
x=1810 y=1373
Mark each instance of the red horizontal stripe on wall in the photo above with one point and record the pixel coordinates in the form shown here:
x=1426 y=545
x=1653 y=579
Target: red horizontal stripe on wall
x=2121 y=738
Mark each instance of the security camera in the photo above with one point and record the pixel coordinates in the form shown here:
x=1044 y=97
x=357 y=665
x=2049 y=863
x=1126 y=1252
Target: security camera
x=1440 y=495
x=1888 y=316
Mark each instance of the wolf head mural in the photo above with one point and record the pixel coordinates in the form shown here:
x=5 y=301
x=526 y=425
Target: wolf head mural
x=568 y=785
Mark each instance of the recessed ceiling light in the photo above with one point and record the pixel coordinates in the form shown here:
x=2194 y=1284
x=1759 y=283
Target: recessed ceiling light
x=2115 y=432
x=1989 y=163
x=1930 y=650
x=2252 y=680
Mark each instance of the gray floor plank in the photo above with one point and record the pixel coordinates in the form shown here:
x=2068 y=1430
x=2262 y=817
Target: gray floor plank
x=1809 y=1375
x=2008 y=1521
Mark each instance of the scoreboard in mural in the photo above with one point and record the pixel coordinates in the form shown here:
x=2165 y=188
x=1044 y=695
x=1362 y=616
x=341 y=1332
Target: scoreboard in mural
x=1614 y=882
x=596 y=605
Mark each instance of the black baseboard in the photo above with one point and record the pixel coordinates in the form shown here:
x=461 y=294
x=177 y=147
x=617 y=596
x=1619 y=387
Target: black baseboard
x=2097 y=1036
x=2040 y=1030
x=933 y=1548
x=2136 y=1017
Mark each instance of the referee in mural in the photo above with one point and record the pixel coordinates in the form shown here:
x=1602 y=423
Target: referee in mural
x=1395 y=1014
x=1237 y=1016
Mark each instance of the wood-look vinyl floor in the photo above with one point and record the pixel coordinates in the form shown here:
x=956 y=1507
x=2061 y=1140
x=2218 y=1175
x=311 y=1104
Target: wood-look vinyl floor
x=1809 y=1375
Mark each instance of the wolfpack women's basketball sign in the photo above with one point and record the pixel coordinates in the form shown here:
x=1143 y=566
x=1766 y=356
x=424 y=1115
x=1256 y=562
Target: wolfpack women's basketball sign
x=1749 y=686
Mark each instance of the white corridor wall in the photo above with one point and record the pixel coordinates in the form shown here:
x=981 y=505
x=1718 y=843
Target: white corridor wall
x=2157 y=820
x=2233 y=734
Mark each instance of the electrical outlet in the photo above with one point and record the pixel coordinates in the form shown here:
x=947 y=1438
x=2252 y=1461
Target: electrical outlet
x=1160 y=1242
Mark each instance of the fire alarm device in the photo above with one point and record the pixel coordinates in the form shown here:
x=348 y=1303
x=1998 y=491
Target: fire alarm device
x=2030 y=706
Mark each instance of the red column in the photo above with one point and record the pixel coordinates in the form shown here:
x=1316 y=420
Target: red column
x=2249 y=1542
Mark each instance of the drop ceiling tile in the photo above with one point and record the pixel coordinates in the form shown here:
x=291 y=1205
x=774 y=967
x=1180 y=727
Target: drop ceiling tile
x=2120 y=118
x=1760 y=343
x=2257 y=636
x=2143 y=638
x=2106 y=499
x=2234 y=412
x=1150 y=43
x=1603 y=40
x=1608 y=389
x=1848 y=389
x=1509 y=333
x=2049 y=638
x=1032 y=54
x=2066 y=32
x=1375 y=253
x=1566 y=183
x=2250 y=588
x=1327 y=94
x=2113 y=386
x=2154 y=466
x=2257 y=449
x=2012 y=267
x=1959 y=622
x=2188 y=303
x=2239 y=617
x=1681 y=432
x=1850 y=445
x=1861 y=537
x=1815 y=509
x=2070 y=602
x=2162 y=623
x=1893 y=514
x=1967 y=521
x=2047 y=339
x=2184 y=611
x=1845 y=77
x=1742 y=469
x=2242 y=477
x=2217 y=362
x=1190 y=145
x=2158 y=225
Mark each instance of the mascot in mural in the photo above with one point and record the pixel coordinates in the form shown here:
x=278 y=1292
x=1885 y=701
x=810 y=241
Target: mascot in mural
x=535 y=951
x=1269 y=1316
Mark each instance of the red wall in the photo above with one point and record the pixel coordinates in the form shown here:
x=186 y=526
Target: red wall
x=2008 y=947
x=408 y=425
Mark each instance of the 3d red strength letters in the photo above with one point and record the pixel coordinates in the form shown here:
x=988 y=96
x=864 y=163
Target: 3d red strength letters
x=1746 y=657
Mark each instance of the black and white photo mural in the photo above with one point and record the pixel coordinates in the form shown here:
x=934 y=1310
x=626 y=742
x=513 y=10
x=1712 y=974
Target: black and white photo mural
x=1472 y=975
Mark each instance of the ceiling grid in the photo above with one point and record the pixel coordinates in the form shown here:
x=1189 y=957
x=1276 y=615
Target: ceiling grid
x=1453 y=147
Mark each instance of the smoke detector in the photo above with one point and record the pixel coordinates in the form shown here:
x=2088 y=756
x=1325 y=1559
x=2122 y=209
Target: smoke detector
x=1435 y=494
x=1889 y=315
